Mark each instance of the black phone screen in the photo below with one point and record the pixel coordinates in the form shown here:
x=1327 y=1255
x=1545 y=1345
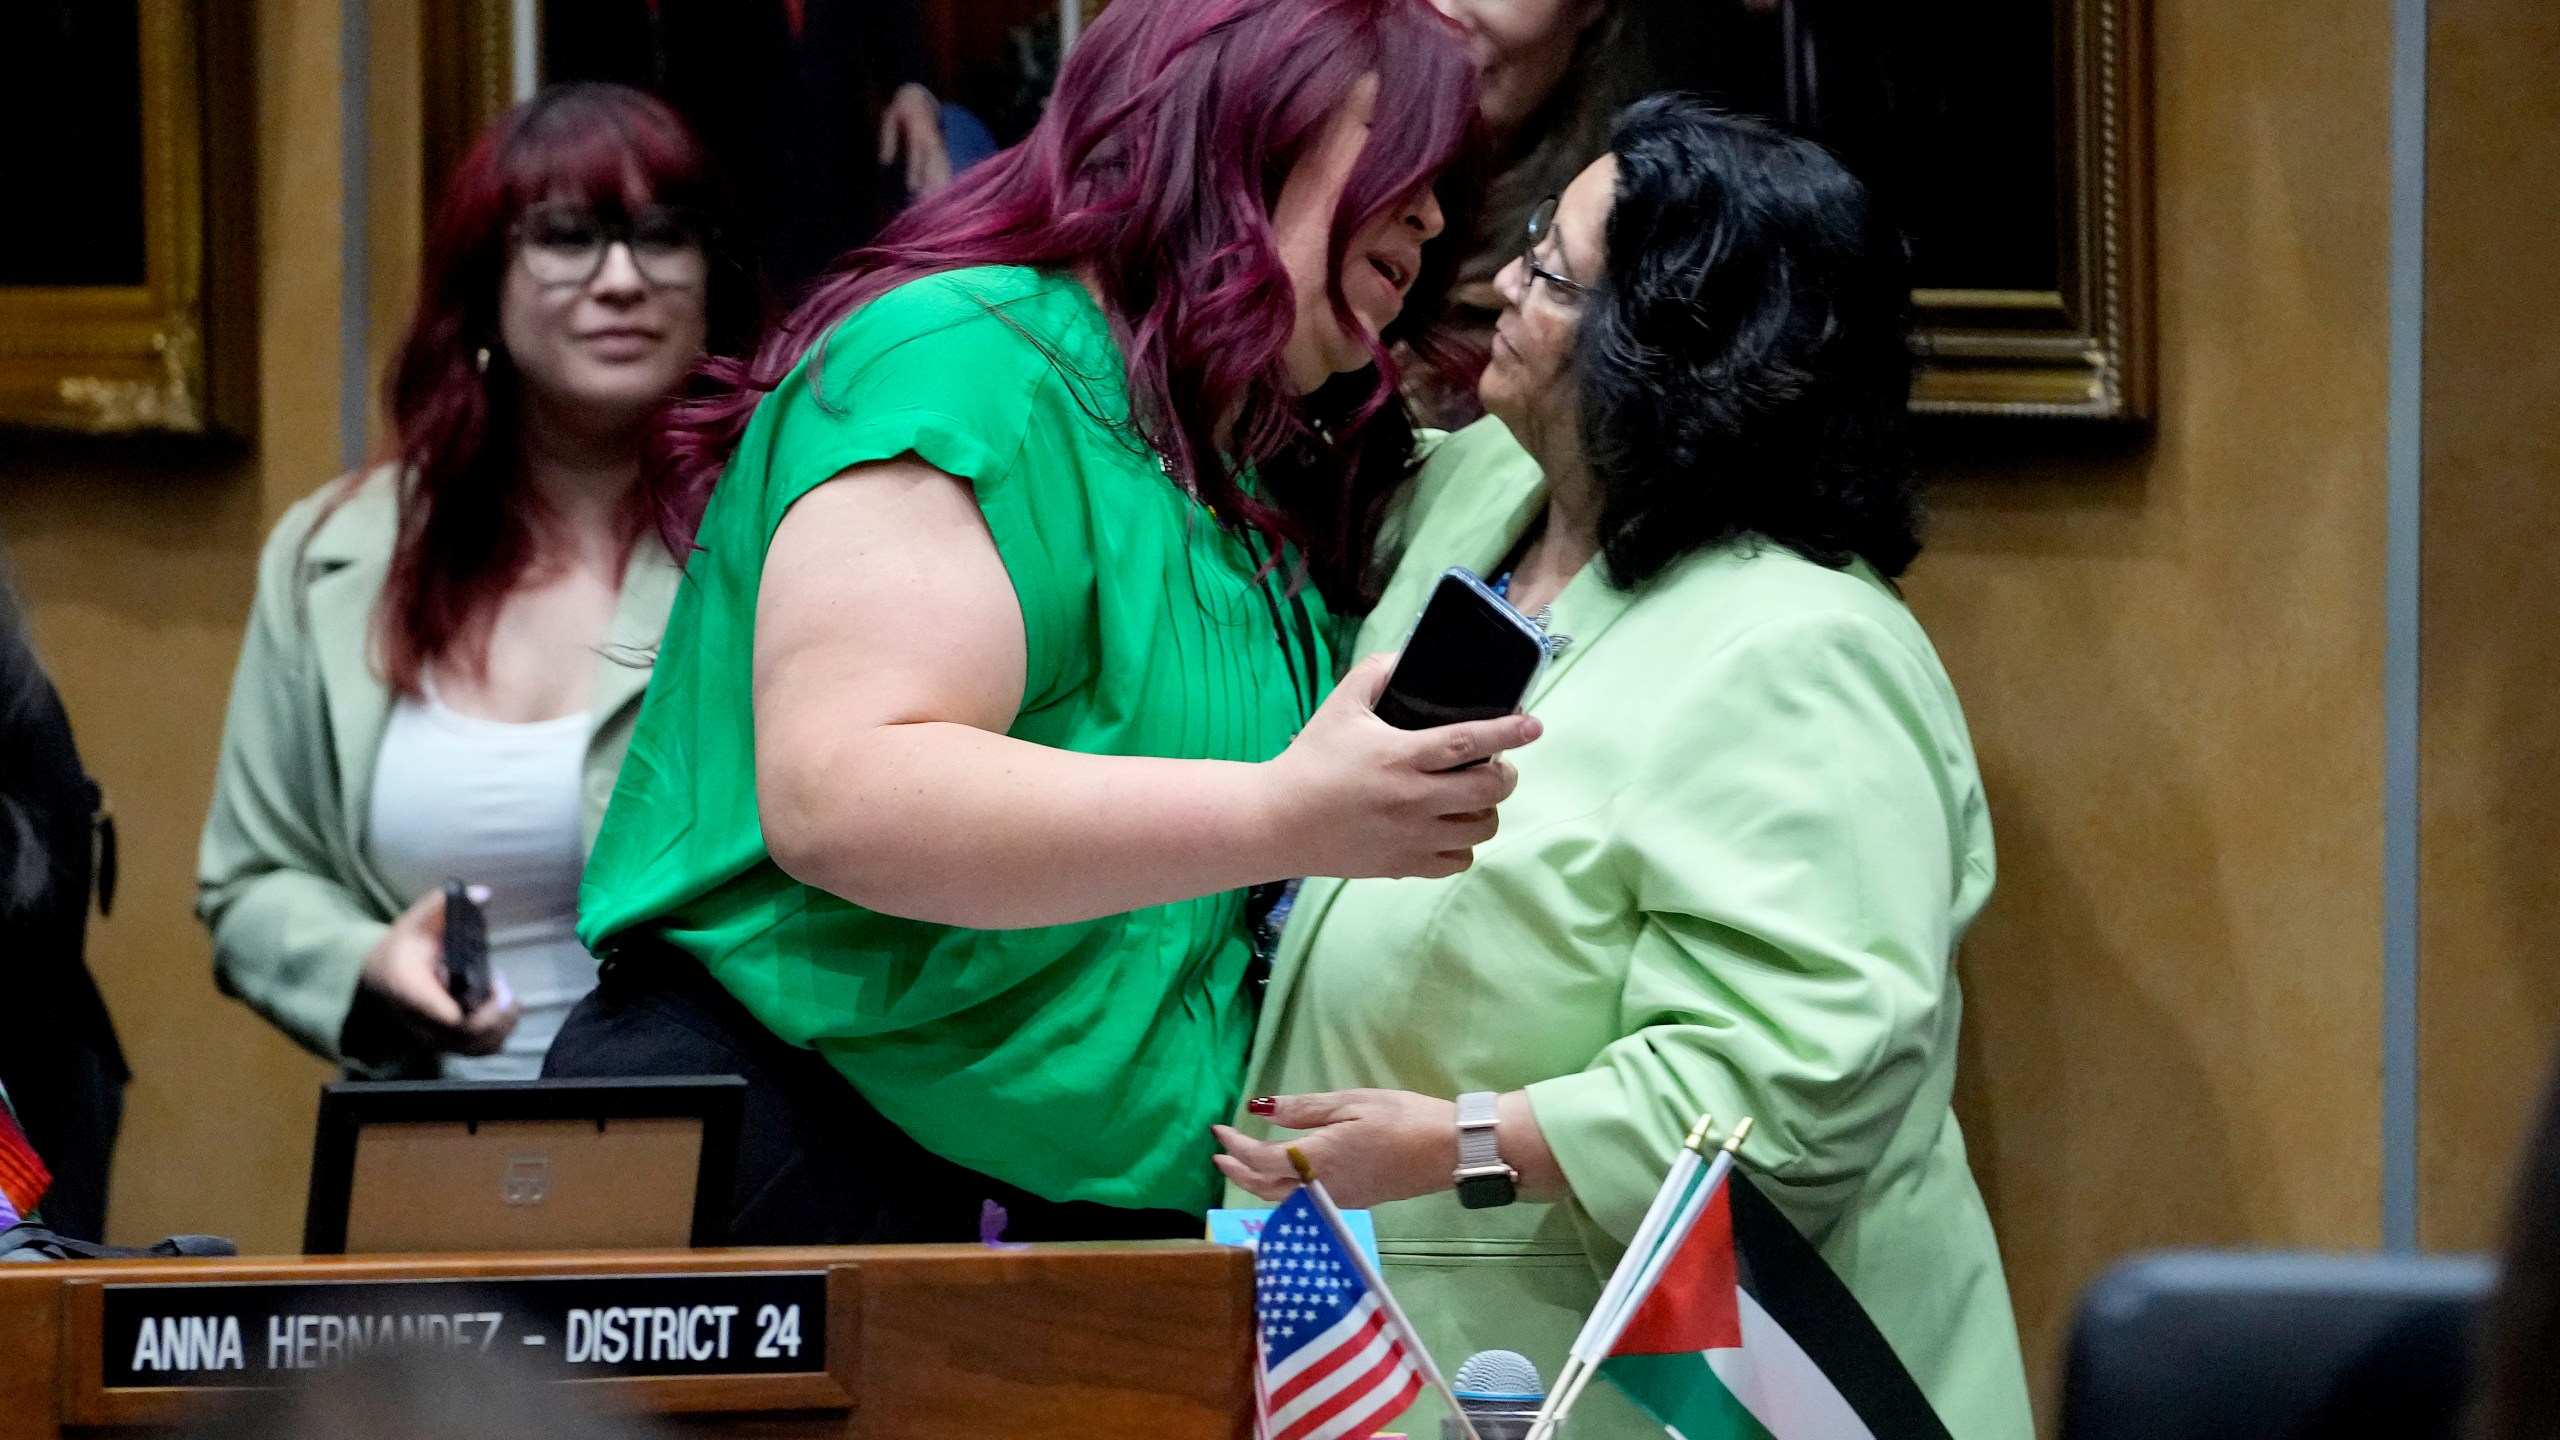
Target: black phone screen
x=1468 y=660
x=466 y=948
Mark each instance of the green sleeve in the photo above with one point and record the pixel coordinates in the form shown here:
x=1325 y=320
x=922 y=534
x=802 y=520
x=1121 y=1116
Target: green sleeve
x=1793 y=857
x=936 y=370
x=288 y=939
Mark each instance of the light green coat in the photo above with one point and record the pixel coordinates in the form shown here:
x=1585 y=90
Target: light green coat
x=1732 y=880
x=284 y=876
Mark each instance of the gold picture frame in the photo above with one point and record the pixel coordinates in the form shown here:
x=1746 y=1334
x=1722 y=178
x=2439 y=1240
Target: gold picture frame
x=468 y=60
x=164 y=356
x=2083 y=350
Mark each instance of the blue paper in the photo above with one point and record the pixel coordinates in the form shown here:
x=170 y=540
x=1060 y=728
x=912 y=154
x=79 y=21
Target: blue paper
x=1244 y=1227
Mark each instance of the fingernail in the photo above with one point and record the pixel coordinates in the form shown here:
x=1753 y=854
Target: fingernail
x=1263 y=1105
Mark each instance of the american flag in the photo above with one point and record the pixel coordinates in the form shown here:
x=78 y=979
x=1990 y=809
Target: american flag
x=1333 y=1368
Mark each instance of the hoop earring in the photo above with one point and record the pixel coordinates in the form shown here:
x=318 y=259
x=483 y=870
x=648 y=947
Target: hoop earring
x=482 y=359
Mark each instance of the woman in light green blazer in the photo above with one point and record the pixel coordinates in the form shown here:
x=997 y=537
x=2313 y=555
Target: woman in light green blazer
x=285 y=876
x=1737 y=866
x=447 y=653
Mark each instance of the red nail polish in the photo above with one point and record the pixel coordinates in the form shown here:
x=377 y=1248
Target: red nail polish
x=1263 y=1105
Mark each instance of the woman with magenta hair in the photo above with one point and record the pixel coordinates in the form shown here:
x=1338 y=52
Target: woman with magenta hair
x=447 y=651
x=998 y=678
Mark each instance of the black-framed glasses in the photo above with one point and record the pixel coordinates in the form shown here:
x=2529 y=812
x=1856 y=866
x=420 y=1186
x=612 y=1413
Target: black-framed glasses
x=1542 y=224
x=564 y=243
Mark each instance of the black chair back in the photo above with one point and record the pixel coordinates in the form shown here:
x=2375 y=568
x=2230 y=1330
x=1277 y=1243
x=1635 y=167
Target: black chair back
x=2217 y=1345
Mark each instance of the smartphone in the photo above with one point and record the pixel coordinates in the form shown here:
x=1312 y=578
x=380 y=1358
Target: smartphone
x=466 y=948
x=1470 y=657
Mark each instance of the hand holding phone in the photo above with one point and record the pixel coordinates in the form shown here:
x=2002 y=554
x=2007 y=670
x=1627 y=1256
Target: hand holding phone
x=1353 y=798
x=1354 y=801
x=1470 y=657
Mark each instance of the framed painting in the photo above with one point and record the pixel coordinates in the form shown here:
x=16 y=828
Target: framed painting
x=2042 y=311
x=2011 y=141
x=119 y=312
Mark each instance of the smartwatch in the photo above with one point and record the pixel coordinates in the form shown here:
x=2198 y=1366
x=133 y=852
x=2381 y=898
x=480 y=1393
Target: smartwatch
x=1483 y=1181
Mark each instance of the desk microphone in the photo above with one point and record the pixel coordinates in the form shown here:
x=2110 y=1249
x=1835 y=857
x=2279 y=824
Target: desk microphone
x=1500 y=1392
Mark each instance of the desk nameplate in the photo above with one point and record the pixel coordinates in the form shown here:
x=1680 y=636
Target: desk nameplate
x=677 y=1341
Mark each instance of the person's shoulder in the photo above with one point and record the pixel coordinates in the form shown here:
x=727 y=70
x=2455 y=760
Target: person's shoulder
x=1001 y=315
x=1467 y=478
x=1753 y=593
x=354 y=517
x=1485 y=451
x=979 y=372
x=1752 y=578
x=984 y=347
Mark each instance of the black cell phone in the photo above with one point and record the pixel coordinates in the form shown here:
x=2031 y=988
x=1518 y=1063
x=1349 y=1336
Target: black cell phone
x=466 y=948
x=1471 y=657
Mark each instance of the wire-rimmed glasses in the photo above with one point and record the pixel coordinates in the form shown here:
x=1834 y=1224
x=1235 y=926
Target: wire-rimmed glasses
x=1542 y=224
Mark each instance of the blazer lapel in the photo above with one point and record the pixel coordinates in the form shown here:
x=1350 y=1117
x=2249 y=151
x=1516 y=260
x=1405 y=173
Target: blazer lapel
x=343 y=569
x=1474 y=529
x=639 y=623
x=1582 y=613
x=1477 y=530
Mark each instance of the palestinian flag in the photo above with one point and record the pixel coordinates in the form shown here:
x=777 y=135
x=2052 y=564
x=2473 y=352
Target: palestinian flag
x=23 y=1178
x=1749 y=1336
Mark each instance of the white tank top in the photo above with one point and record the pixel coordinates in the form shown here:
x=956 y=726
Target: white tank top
x=495 y=804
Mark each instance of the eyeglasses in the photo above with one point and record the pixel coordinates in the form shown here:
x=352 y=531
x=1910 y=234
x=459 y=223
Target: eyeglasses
x=1542 y=224
x=564 y=244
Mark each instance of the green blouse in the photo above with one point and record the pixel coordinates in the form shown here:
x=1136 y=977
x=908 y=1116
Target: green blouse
x=1080 y=1062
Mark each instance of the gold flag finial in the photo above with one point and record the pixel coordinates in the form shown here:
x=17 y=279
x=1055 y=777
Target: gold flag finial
x=1699 y=1132
x=1298 y=1162
x=1733 y=1142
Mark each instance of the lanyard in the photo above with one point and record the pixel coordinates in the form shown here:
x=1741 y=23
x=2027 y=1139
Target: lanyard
x=1294 y=630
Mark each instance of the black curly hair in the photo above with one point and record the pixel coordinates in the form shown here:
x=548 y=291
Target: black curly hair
x=1744 y=358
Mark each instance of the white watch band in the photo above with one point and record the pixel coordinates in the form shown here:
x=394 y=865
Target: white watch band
x=1476 y=1148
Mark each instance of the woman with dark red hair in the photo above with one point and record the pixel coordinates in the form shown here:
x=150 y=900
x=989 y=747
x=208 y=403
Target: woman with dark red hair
x=447 y=650
x=997 y=681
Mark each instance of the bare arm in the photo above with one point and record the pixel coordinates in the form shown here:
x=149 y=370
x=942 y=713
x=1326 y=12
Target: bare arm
x=889 y=662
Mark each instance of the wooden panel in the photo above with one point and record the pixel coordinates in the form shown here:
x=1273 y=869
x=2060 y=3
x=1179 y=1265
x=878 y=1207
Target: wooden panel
x=31 y=1337
x=465 y=60
x=2171 y=658
x=137 y=565
x=86 y=1402
x=2490 y=858
x=1039 y=1343
x=1158 y=1345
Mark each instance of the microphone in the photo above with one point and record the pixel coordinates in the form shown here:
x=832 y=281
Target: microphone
x=1500 y=1391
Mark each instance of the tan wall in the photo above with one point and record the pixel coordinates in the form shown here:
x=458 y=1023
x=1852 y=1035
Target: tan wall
x=138 y=565
x=2171 y=655
x=2172 y=660
x=2490 y=859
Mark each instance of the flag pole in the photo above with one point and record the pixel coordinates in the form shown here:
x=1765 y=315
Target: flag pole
x=1666 y=1200
x=1666 y=1203
x=1674 y=1236
x=1377 y=1284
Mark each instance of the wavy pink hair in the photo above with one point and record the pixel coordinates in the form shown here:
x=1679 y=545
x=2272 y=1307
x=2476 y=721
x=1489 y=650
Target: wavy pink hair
x=1154 y=171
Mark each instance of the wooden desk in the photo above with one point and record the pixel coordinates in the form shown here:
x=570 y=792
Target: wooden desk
x=1051 y=1342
